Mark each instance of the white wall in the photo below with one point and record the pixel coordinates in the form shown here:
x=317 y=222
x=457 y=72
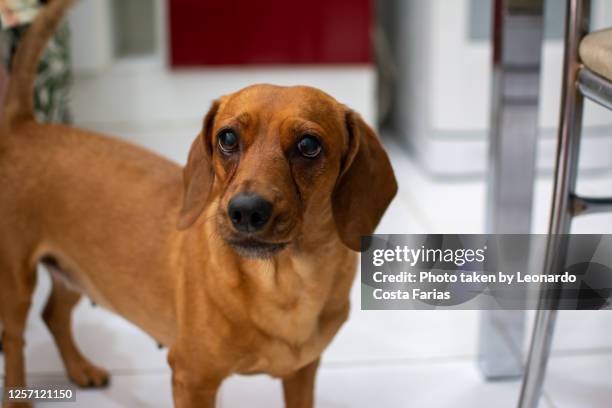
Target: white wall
x=447 y=84
x=92 y=35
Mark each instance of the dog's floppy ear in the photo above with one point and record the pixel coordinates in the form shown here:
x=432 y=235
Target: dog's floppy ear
x=198 y=175
x=366 y=184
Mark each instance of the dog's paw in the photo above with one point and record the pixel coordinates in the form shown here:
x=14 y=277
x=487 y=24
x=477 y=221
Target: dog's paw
x=87 y=375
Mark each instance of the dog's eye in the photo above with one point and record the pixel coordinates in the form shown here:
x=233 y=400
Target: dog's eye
x=228 y=141
x=309 y=146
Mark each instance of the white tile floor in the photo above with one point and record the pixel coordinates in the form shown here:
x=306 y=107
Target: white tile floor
x=379 y=359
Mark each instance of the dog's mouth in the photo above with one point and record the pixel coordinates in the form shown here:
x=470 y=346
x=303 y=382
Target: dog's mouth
x=254 y=248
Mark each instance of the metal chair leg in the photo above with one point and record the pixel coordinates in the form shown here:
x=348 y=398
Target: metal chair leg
x=517 y=50
x=564 y=185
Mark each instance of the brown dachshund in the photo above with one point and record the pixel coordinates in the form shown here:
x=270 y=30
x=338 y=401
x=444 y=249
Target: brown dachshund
x=278 y=188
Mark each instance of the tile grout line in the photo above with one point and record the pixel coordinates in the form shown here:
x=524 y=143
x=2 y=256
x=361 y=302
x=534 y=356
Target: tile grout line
x=403 y=361
x=548 y=399
x=586 y=352
x=119 y=372
x=333 y=365
x=410 y=201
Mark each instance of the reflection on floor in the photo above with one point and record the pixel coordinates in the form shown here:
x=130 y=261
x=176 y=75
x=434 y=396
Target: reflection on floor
x=379 y=359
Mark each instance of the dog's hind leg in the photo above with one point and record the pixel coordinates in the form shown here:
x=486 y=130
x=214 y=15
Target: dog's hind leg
x=57 y=316
x=17 y=282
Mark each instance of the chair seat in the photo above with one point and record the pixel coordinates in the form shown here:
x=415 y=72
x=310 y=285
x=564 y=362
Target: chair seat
x=596 y=52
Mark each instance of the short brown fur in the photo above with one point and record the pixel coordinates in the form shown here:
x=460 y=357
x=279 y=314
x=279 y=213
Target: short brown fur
x=104 y=214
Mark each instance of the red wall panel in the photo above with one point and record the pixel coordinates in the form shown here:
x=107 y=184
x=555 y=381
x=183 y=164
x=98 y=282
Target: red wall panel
x=215 y=32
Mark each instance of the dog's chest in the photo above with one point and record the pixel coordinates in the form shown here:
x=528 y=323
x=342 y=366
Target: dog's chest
x=277 y=355
x=282 y=341
x=287 y=325
x=287 y=300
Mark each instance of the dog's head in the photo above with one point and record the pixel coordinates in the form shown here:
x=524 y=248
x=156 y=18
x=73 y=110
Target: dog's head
x=283 y=161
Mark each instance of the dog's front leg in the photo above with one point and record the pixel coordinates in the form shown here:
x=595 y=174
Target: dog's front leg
x=193 y=386
x=298 y=388
x=190 y=395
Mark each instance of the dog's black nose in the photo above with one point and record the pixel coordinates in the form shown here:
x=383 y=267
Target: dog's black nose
x=249 y=212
